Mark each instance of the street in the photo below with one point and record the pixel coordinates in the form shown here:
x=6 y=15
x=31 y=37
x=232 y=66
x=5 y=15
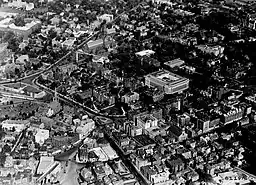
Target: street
x=70 y=177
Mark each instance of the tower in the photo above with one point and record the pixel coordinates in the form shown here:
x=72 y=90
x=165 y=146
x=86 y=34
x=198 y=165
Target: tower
x=55 y=98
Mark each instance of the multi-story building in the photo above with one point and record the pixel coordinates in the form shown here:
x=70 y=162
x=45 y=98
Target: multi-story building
x=85 y=127
x=215 y=50
x=155 y=93
x=146 y=121
x=132 y=130
x=167 y=81
x=177 y=133
x=102 y=95
x=156 y=174
x=130 y=97
x=231 y=113
x=175 y=164
x=203 y=121
x=173 y=63
x=183 y=119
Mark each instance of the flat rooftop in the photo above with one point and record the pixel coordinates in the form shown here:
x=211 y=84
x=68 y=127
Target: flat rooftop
x=167 y=77
x=145 y=53
x=175 y=62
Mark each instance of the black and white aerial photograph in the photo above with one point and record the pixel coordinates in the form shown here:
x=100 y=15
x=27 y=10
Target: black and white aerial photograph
x=127 y=92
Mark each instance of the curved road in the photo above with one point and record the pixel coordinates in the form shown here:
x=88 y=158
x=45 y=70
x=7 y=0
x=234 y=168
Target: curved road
x=35 y=76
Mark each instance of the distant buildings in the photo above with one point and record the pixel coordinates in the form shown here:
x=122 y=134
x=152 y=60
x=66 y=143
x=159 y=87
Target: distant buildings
x=25 y=31
x=215 y=50
x=167 y=81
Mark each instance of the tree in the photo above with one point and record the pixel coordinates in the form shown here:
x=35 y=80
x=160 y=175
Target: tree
x=8 y=35
x=6 y=149
x=19 y=21
x=13 y=44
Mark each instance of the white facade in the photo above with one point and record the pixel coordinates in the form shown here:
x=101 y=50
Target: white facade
x=42 y=135
x=85 y=126
x=110 y=152
x=145 y=53
x=106 y=17
x=10 y=124
x=147 y=121
x=167 y=81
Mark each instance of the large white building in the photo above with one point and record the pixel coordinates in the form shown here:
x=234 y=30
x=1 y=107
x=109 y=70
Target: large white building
x=85 y=127
x=167 y=81
x=18 y=125
x=42 y=135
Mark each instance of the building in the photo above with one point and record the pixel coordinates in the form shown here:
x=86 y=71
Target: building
x=177 y=133
x=85 y=127
x=60 y=141
x=231 y=113
x=215 y=50
x=20 y=4
x=102 y=156
x=133 y=130
x=17 y=125
x=102 y=94
x=183 y=119
x=106 y=17
x=173 y=63
x=175 y=164
x=156 y=174
x=110 y=152
x=146 y=121
x=130 y=97
x=144 y=53
x=203 y=121
x=31 y=25
x=154 y=94
x=167 y=81
x=42 y=135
